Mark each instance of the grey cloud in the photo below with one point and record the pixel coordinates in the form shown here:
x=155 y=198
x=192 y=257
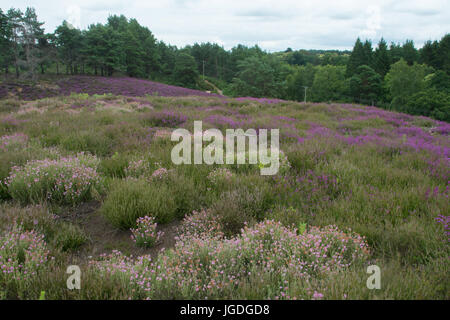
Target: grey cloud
x=264 y=13
x=275 y=25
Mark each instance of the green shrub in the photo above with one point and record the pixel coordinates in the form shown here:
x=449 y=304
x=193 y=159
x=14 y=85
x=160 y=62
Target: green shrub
x=114 y=167
x=239 y=207
x=410 y=242
x=290 y=217
x=131 y=199
x=185 y=193
x=69 y=237
x=92 y=141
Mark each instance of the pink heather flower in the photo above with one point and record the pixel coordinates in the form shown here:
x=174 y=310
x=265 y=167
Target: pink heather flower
x=220 y=174
x=160 y=173
x=317 y=295
x=145 y=233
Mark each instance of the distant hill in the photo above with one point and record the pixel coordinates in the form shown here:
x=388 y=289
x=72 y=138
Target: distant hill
x=125 y=86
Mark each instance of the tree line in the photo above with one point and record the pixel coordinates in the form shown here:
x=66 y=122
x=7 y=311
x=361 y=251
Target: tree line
x=396 y=76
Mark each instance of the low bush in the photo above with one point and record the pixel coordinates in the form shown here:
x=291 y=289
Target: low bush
x=220 y=176
x=69 y=237
x=199 y=225
x=12 y=142
x=239 y=207
x=145 y=234
x=115 y=167
x=131 y=199
x=69 y=180
x=264 y=257
x=137 y=169
x=164 y=118
x=23 y=255
x=33 y=217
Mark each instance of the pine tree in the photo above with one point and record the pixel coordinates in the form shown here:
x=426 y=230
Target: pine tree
x=69 y=41
x=368 y=54
x=32 y=34
x=395 y=52
x=5 y=44
x=381 y=58
x=365 y=85
x=15 y=30
x=428 y=53
x=409 y=52
x=357 y=58
x=444 y=53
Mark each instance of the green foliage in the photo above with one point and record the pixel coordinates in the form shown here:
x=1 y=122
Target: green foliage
x=185 y=71
x=365 y=85
x=329 y=83
x=131 y=199
x=382 y=60
x=409 y=52
x=360 y=56
x=289 y=217
x=299 y=78
x=241 y=206
x=114 y=166
x=403 y=81
x=430 y=102
x=69 y=237
x=259 y=77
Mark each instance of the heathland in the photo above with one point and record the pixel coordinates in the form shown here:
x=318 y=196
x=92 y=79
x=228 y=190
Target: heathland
x=87 y=179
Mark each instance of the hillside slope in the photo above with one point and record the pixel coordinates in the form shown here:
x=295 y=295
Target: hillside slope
x=125 y=86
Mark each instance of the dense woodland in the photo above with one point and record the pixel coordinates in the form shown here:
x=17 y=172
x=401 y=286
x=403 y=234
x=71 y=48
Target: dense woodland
x=393 y=76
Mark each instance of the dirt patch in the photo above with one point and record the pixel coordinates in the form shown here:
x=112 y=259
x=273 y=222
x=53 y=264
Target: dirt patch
x=104 y=237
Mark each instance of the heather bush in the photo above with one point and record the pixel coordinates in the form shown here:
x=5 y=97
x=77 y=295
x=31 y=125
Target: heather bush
x=308 y=157
x=93 y=141
x=185 y=192
x=220 y=176
x=288 y=216
x=145 y=234
x=239 y=207
x=444 y=221
x=115 y=166
x=16 y=150
x=200 y=224
x=32 y=217
x=285 y=165
x=68 y=180
x=211 y=268
x=247 y=167
x=137 y=168
x=165 y=118
x=69 y=237
x=309 y=192
x=129 y=200
x=23 y=256
x=9 y=143
x=160 y=174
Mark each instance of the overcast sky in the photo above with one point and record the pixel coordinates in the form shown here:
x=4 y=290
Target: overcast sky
x=272 y=24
